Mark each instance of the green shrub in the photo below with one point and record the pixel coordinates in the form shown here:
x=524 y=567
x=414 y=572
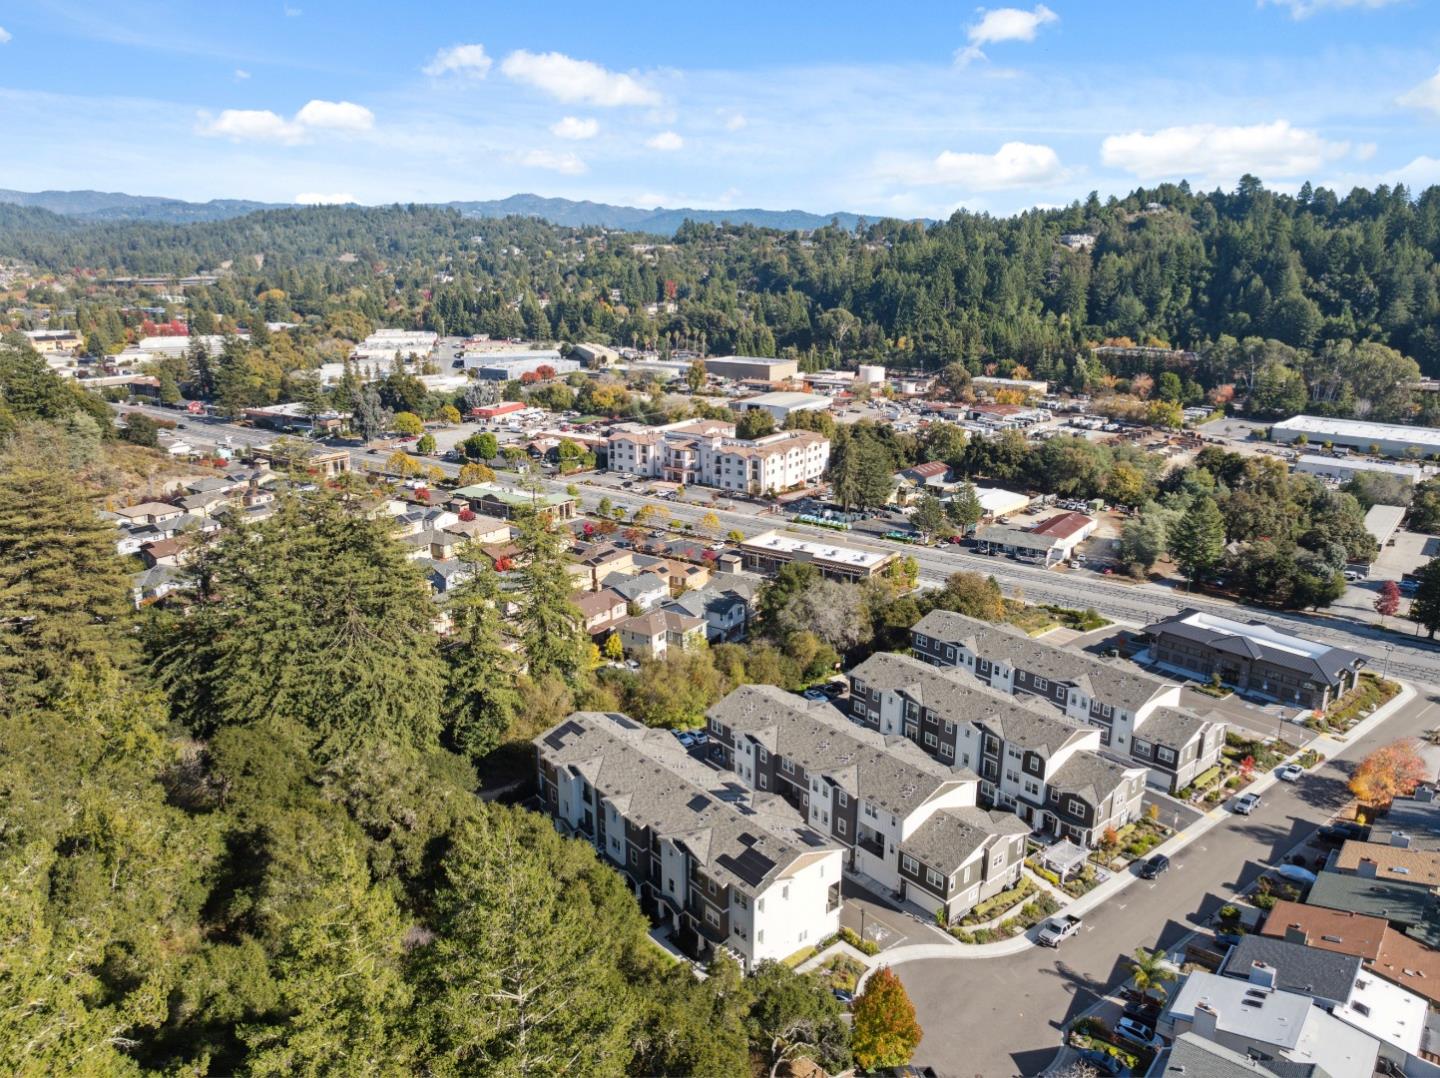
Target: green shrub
x=1266 y=902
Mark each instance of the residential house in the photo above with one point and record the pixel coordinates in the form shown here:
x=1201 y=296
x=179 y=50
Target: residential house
x=149 y=513
x=1254 y=1017
x=1254 y=657
x=1384 y=951
x=879 y=796
x=1385 y=861
x=1045 y=767
x=480 y=529
x=722 y=868
x=1413 y=908
x=1192 y=1055
x=726 y=613
x=644 y=590
x=1412 y=822
x=655 y=634
x=170 y=552
x=154 y=584
x=602 y=610
x=1139 y=716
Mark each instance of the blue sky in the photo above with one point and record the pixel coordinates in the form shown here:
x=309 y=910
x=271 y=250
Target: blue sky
x=907 y=109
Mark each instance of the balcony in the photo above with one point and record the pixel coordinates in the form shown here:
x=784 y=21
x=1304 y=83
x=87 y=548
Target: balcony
x=870 y=842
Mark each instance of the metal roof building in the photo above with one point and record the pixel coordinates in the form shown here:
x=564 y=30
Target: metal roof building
x=1391 y=439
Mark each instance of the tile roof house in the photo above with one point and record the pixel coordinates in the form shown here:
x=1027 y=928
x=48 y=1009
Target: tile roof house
x=1139 y=715
x=1385 y=952
x=1043 y=765
x=1255 y=657
x=602 y=609
x=719 y=866
x=874 y=794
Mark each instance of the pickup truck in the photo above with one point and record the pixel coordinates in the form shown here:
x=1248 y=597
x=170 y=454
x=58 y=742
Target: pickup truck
x=1058 y=929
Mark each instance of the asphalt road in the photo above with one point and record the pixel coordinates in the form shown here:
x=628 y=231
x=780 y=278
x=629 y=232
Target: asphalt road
x=1413 y=657
x=1005 y=1016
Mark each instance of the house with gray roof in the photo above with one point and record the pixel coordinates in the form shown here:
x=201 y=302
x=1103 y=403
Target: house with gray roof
x=873 y=793
x=1040 y=764
x=1328 y=977
x=1192 y=1056
x=726 y=613
x=1254 y=657
x=1139 y=715
x=644 y=589
x=1412 y=908
x=721 y=866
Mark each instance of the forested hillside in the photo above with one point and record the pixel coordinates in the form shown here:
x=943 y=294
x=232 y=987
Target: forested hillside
x=1188 y=269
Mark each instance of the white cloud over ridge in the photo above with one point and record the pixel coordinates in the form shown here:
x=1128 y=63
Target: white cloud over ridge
x=576 y=81
x=264 y=125
x=666 y=141
x=460 y=59
x=1212 y=152
x=1015 y=164
x=1003 y=24
x=567 y=164
x=575 y=128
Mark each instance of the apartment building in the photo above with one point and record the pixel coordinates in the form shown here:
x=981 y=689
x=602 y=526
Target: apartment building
x=722 y=867
x=1139 y=716
x=1045 y=767
x=706 y=453
x=910 y=823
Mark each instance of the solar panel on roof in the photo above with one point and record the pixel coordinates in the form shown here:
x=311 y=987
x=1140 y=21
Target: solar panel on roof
x=751 y=866
x=555 y=739
x=698 y=802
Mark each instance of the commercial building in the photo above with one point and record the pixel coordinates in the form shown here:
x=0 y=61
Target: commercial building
x=384 y=344
x=1390 y=439
x=1254 y=657
x=1140 y=717
x=505 y=367
x=1047 y=543
x=295 y=416
x=1021 y=385
x=213 y=344
x=491 y=499
x=46 y=341
x=1383 y=521
x=781 y=405
x=1341 y=469
x=909 y=823
x=768 y=551
x=724 y=869
x=752 y=368
x=706 y=453
x=1044 y=767
x=997 y=502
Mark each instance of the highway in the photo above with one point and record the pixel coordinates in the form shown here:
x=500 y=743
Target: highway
x=1414 y=657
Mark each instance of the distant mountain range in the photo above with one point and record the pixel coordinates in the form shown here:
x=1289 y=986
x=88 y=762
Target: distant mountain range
x=116 y=206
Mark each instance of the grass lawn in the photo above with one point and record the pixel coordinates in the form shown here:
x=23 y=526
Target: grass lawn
x=1080 y=620
x=1355 y=705
x=997 y=904
x=1031 y=620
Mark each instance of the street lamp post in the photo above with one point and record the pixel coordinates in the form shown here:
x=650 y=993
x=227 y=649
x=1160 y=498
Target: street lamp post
x=1385 y=669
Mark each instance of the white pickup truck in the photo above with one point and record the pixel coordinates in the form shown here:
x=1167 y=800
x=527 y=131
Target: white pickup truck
x=1054 y=931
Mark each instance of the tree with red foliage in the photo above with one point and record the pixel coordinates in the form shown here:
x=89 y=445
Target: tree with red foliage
x=529 y=378
x=1247 y=767
x=544 y=372
x=884 y=1032
x=467 y=514
x=1387 y=603
x=1391 y=771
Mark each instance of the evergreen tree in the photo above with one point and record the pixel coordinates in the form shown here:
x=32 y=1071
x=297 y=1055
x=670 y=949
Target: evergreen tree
x=1425 y=606
x=481 y=700
x=1197 y=541
x=964 y=508
x=552 y=629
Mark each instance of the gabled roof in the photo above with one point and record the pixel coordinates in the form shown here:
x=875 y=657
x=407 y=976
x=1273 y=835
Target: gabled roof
x=1063 y=525
x=658 y=622
x=1411 y=907
x=951 y=837
x=1298 y=968
x=592 y=603
x=1256 y=640
x=1091 y=777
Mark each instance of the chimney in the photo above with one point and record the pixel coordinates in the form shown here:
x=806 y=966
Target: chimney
x=1423 y=793
x=1206 y=1019
x=1296 y=934
x=1262 y=975
x=1401 y=839
x=1366 y=868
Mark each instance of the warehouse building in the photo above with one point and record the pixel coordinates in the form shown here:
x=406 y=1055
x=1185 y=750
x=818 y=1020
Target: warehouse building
x=508 y=367
x=1343 y=469
x=782 y=405
x=757 y=368
x=1389 y=439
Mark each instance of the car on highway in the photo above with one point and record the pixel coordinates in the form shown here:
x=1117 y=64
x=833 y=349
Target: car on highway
x=1245 y=804
x=1289 y=772
x=1154 y=868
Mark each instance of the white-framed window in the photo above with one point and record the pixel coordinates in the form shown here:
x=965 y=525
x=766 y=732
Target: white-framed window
x=934 y=879
x=762 y=754
x=921 y=639
x=1107 y=710
x=1012 y=776
x=787 y=765
x=1041 y=684
x=931 y=739
x=840 y=825
x=1075 y=807
x=909 y=864
x=949 y=727
x=946 y=751
x=742 y=901
x=1164 y=755
x=712 y=918
x=842 y=797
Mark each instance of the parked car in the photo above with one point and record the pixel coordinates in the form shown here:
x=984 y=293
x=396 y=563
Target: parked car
x=1342 y=830
x=814 y=694
x=1289 y=772
x=1135 y=1031
x=685 y=737
x=1103 y=1062
x=843 y=996
x=1154 y=868
x=1245 y=804
x=1058 y=929
x=1294 y=873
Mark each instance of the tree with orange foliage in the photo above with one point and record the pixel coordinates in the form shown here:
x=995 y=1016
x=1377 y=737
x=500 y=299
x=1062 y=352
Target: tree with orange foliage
x=1389 y=772
x=884 y=1032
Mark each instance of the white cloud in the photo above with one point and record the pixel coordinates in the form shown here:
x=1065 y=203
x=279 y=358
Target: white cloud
x=1223 y=154
x=1303 y=9
x=665 y=140
x=1015 y=164
x=735 y=121
x=464 y=59
x=263 y=125
x=1426 y=96
x=1004 y=24
x=573 y=127
x=336 y=116
x=316 y=198
x=5 y=36
x=567 y=163
x=291 y=12
x=241 y=74
x=570 y=80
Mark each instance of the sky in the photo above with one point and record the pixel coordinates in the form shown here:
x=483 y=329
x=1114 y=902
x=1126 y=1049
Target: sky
x=911 y=109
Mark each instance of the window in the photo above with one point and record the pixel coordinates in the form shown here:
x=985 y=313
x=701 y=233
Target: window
x=947 y=752
x=1164 y=755
x=670 y=884
x=949 y=727
x=764 y=781
x=921 y=639
x=842 y=797
x=742 y=901
x=1012 y=776
x=1075 y=807
x=1107 y=710
x=712 y=918
x=934 y=879
x=1040 y=684
x=840 y=825
x=634 y=858
x=764 y=756
x=787 y=765
x=930 y=739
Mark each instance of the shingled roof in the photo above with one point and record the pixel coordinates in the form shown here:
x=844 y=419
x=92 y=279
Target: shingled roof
x=952 y=837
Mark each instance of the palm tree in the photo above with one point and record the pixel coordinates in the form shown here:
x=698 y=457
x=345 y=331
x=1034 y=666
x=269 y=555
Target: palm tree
x=1150 y=970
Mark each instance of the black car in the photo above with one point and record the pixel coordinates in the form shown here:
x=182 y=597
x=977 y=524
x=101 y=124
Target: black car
x=1342 y=831
x=1154 y=868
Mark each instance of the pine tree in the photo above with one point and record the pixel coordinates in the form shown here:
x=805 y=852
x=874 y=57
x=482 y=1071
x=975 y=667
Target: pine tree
x=64 y=598
x=1425 y=606
x=481 y=700
x=884 y=1032
x=552 y=629
x=1198 y=538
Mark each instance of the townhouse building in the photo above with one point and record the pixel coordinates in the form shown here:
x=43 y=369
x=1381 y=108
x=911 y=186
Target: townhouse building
x=723 y=868
x=1140 y=717
x=706 y=453
x=1045 y=767
x=908 y=822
